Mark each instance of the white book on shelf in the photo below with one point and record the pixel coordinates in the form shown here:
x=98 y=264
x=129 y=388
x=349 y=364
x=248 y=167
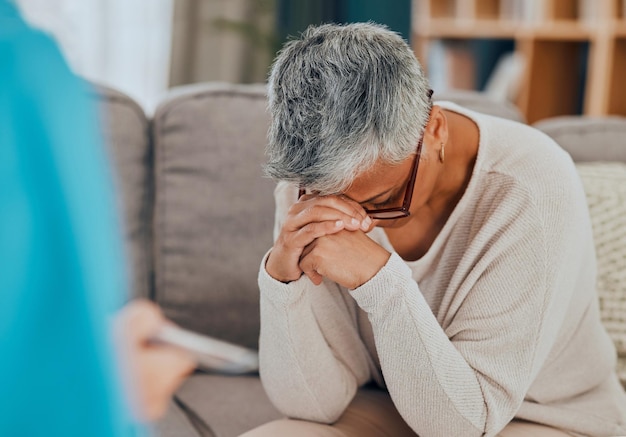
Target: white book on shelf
x=531 y=11
x=521 y=11
x=588 y=11
x=437 y=71
x=451 y=65
x=505 y=80
x=507 y=10
x=465 y=11
x=514 y=10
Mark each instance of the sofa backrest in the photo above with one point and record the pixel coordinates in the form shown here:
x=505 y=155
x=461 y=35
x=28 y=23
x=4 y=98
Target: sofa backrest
x=213 y=215
x=126 y=132
x=588 y=139
x=480 y=102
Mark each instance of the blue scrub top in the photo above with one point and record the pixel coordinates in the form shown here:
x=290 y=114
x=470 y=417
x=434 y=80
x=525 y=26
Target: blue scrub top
x=61 y=274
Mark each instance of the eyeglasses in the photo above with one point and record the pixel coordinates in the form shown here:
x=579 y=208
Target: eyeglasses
x=399 y=211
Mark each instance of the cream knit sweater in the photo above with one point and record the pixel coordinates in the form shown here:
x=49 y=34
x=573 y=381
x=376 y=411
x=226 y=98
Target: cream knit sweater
x=498 y=320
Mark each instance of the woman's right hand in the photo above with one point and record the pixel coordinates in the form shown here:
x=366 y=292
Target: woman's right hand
x=311 y=217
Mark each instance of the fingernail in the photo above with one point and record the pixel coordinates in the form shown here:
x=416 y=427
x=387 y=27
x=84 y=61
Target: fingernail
x=339 y=223
x=355 y=222
x=366 y=223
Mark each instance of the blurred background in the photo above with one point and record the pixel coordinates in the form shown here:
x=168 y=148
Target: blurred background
x=145 y=47
x=549 y=57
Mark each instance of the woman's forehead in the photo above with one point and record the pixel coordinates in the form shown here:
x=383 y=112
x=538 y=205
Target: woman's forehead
x=382 y=178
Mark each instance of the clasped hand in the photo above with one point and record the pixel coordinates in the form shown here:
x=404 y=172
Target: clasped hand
x=325 y=236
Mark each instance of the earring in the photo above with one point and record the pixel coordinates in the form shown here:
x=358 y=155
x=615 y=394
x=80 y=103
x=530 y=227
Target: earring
x=442 y=153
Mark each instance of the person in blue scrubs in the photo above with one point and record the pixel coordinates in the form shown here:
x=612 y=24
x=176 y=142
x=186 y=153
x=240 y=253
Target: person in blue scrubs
x=61 y=279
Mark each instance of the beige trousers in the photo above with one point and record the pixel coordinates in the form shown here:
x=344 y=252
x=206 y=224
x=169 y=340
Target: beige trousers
x=372 y=414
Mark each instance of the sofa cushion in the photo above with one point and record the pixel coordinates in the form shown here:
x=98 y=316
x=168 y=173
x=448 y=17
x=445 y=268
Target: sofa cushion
x=481 y=102
x=176 y=423
x=588 y=139
x=605 y=187
x=125 y=130
x=214 y=210
x=229 y=405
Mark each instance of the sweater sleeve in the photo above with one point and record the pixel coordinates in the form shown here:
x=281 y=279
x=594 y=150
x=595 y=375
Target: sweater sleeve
x=466 y=371
x=311 y=355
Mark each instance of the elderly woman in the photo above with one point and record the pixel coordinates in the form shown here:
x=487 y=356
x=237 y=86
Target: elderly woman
x=443 y=254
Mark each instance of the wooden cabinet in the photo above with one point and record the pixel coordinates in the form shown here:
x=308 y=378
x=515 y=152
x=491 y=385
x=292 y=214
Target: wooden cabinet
x=574 y=51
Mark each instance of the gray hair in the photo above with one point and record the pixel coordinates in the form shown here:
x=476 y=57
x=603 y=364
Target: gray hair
x=341 y=98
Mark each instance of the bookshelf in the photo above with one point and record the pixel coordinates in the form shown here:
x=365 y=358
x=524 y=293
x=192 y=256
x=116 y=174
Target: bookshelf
x=574 y=51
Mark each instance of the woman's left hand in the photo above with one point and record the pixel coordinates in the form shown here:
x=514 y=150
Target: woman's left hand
x=349 y=258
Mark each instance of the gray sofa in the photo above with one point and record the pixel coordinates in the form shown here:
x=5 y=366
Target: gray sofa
x=198 y=218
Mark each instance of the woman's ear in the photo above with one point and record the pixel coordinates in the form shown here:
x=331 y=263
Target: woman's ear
x=436 y=131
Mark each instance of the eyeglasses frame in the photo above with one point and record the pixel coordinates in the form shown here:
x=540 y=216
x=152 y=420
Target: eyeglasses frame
x=401 y=211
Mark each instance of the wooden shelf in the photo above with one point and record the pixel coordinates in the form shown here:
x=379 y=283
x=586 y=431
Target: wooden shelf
x=487 y=9
x=617 y=85
x=556 y=84
x=619 y=9
x=455 y=28
x=567 y=46
x=563 y=10
x=451 y=28
x=620 y=29
x=560 y=30
x=441 y=8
